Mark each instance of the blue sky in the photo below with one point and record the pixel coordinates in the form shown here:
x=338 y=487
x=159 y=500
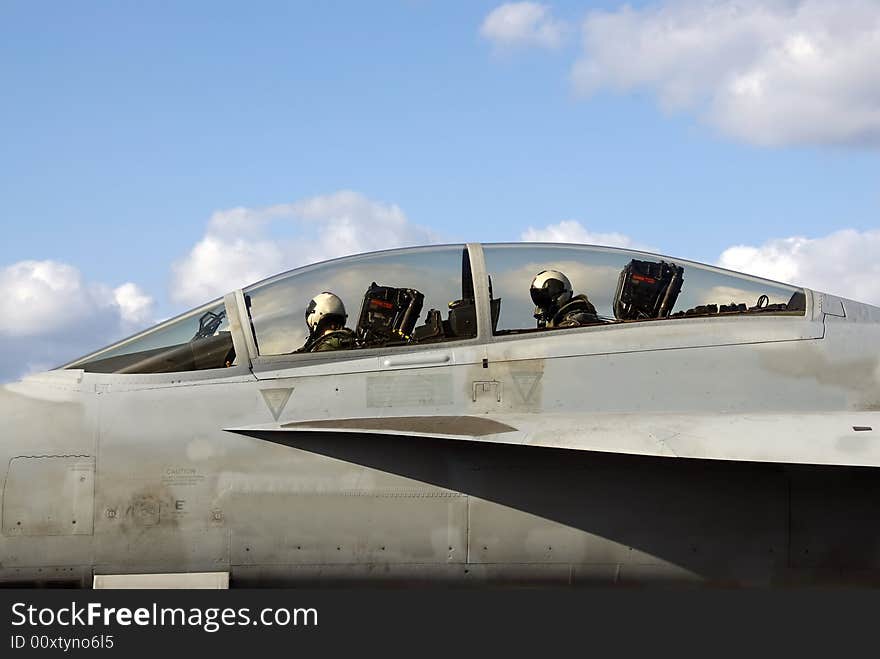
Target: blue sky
x=124 y=126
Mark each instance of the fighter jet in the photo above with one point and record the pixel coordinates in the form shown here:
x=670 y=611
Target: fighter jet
x=525 y=413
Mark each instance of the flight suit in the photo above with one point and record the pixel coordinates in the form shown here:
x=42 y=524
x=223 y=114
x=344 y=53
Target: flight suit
x=340 y=339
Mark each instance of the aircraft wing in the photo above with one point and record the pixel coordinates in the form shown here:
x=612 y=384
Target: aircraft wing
x=834 y=438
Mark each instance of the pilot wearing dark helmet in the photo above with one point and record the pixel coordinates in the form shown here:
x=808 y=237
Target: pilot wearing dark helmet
x=325 y=317
x=555 y=306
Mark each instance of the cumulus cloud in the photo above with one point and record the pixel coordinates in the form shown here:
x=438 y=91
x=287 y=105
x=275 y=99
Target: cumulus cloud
x=844 y=262
x=572 y=231
x=40 y=297
x=49 y=314
x=516 y=24
x=244 y=245
x=135 y=306
x=769 y=72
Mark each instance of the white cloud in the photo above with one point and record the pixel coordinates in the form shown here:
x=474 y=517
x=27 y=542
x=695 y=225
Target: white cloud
x=769 y=72
x=40 y=297
x=135 y=306
x=572 y=231
x=844 y=262
x=49 y=314
x=244 y=245
x=523 y=24
x=218 y=264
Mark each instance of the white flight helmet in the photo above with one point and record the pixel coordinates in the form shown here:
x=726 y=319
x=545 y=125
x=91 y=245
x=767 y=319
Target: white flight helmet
x=322 y=306
x=550 y=289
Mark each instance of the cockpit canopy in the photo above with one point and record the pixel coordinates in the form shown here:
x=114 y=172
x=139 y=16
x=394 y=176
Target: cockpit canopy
x=438 y=277
x=426 y=295
x=626 y=286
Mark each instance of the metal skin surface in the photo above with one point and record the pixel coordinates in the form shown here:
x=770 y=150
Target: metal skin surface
x=692 y=451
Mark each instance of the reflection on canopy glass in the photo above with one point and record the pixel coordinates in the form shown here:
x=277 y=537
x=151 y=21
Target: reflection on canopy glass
x=414 y=289
x=628 y=286
x=196 y=341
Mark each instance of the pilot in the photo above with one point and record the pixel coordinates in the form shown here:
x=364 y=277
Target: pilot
x=555 y=306
x=326 y=318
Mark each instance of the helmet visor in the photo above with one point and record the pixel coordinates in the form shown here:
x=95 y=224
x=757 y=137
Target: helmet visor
x=548 y=293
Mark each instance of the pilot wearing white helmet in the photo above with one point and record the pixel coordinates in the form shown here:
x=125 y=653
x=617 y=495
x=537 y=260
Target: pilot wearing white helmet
x=556 y=306
x=325 y=317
